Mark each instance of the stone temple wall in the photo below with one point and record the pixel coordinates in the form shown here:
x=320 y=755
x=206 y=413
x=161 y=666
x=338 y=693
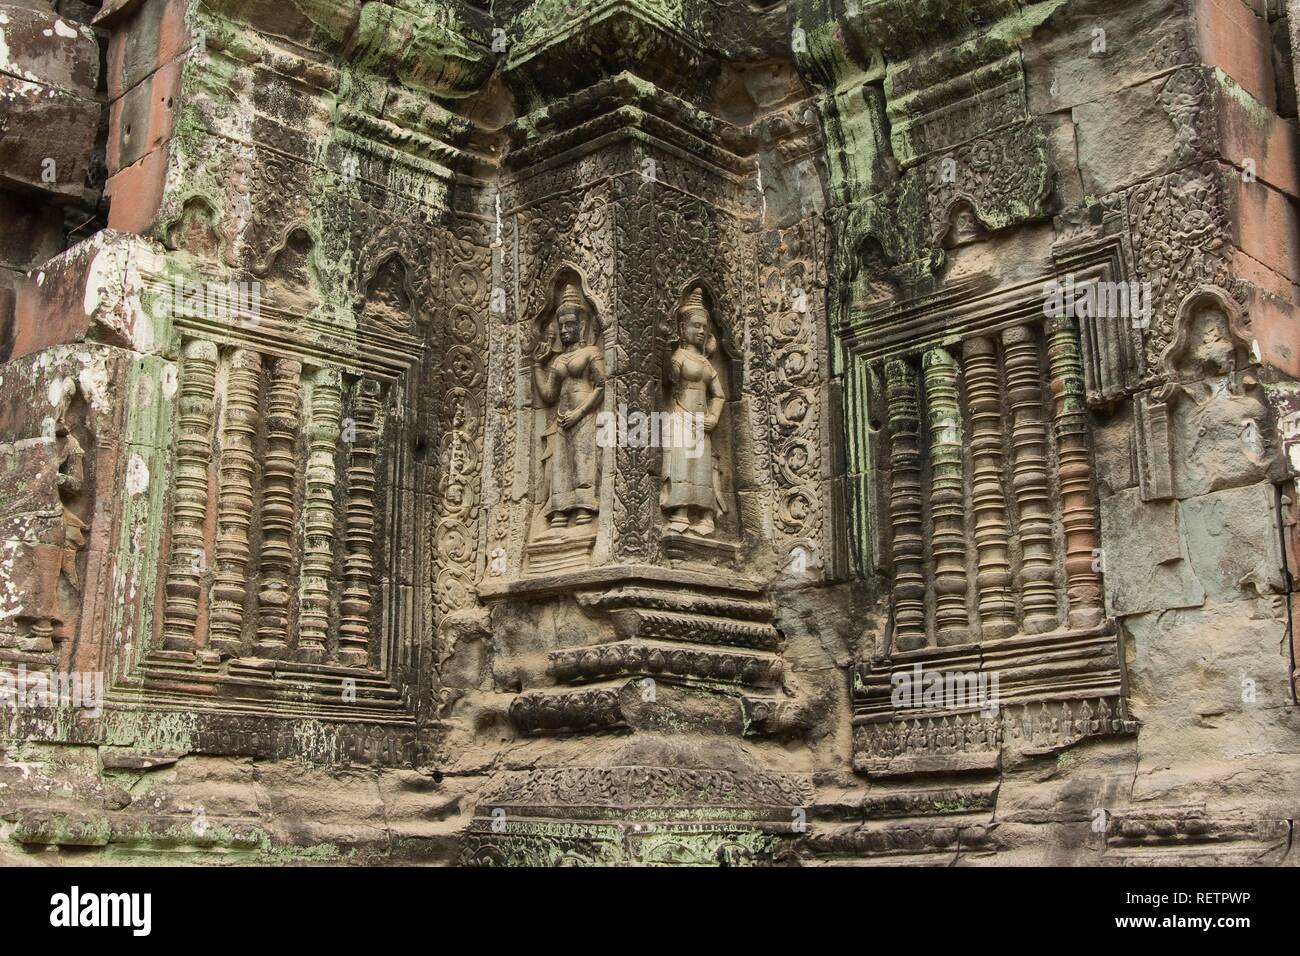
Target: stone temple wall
x=342 y=518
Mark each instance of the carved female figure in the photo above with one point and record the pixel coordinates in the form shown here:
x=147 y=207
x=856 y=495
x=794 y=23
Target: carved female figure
x=574 y=381
x=690 y=487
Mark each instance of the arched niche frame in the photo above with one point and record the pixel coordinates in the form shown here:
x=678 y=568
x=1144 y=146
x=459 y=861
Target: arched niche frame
x=543 y=322
x=723 y=320
x=1233 y=322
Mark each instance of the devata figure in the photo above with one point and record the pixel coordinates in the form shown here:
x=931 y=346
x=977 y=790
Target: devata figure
x=573 y=380
x=691 y=494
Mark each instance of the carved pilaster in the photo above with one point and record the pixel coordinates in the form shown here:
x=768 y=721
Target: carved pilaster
x=905 y=505
x=983 y=390
x=235 y=503
x=947 y=504
x=279 y=507
x=354 y=626
x=1029 y=477
x=318 y=515
x=1079 y=517
x=1151 y=433
x=190 y=495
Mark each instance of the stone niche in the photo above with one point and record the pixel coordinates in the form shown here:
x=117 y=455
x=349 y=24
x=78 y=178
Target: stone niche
x=972 y=491
x=637 y=505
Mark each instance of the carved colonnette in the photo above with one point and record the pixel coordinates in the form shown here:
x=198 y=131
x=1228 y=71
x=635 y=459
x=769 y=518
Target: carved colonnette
x=315 y=438
x=972 y=500
x=1008 y=556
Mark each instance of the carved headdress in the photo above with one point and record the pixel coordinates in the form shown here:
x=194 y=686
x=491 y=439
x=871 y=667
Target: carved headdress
x=696 y=304
x=571 y=297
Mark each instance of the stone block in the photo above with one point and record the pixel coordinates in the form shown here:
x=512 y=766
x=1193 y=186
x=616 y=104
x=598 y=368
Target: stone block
x=1146 y=563
x=1233 y=38
x=43 y=47
x=1218 y=439
x=96 y=290
x=1232 y=540
x=47 y=138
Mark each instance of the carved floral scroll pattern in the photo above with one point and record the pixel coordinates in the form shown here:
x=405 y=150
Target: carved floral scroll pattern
x=459 y=398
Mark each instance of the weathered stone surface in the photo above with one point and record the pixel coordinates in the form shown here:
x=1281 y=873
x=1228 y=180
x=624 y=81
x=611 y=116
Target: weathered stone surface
x=48 y=135
x=662 y=435
x=1232 y=542
x=1146 y=562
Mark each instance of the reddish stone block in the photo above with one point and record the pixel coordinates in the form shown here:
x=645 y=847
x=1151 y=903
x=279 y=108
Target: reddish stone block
x=1275 y=322
x=90 y=292
x=1231 y=37
x=1251 y=136
x=146 y=36
x=144 y=118
x=135 y=193
x=1265 y=225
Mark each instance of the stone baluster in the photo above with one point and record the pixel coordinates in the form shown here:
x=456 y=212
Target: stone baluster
x=988 y=503
x=947 y=504
x=279 y=507
x=323 y=428
x=359 y=534
x=235 y=474
x=905 y=505
x=1078 y=516
x=1029 y=477
x=190 y=496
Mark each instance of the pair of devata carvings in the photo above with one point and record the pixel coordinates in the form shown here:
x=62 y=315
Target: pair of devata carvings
x=570 y=376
